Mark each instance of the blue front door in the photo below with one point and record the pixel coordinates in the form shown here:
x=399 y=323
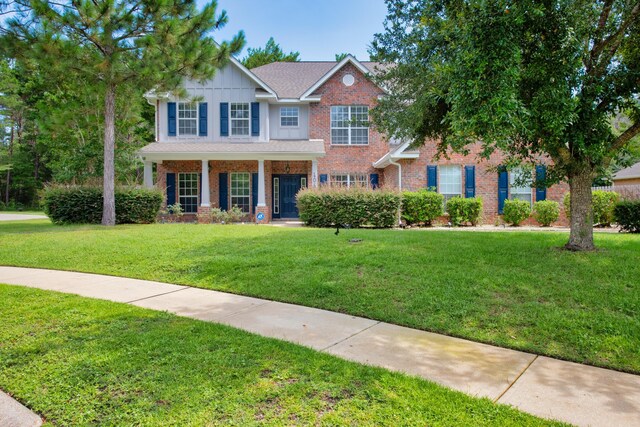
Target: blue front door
x=288 y=186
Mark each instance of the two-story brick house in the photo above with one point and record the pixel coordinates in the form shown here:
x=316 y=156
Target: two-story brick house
x=253 y=138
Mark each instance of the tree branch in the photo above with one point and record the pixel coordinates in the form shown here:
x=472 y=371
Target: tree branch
x=626 y=136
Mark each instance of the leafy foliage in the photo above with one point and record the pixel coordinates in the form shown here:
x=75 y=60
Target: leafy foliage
x=516 y=211
x=421 y=206
x=604 y=203
x=627 y=214
x=464 y=211
x=353 y=207
x=83 y=205
x=272 y=52
x=219 y=216
x=546 y=212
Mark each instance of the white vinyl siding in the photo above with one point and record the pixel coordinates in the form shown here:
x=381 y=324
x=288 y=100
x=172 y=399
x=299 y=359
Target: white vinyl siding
x=349 y=180
x=519 y=189
x=239 y=116
x=289 y=116
x=350 y=125
x=450 y=181
x=187 y=118
x=188 y=192
x=241 y=190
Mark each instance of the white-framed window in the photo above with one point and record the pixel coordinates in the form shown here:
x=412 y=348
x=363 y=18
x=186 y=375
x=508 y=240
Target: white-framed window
x=520 y=185
x=349 y=180
x=349 y=125
x=450 y=181
x=289 y=116
x=241 y=190
x=276 y=195
x=187 y=118
x=239 y=119
x=188 y=192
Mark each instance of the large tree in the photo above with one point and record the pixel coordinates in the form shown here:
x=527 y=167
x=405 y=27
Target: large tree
x=534 y=79
x=111 y=46
x=271 y=52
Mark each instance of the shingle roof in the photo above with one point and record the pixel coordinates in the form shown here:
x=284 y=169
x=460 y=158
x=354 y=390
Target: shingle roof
x=628 y=173
x=292 y=79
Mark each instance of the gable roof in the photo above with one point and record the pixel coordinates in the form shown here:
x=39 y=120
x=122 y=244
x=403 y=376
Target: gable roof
x=628 y=173
x=295 y=79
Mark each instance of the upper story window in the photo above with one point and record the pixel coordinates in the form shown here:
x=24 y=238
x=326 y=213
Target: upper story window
x=450 y=181
x=289 y=116
x=349 y=180
x=187 y=118
x=520 y=185
x=350 y=125
x=240 y=119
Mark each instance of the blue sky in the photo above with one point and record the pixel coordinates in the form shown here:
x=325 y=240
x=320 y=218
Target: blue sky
x=318 y=29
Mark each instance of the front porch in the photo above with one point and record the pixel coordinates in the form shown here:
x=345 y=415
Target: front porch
x=262 y=184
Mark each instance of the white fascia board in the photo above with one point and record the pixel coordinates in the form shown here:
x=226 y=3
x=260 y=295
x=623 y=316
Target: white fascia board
x=293 y=101
x=348 y=59
x=155 y=157
x=252 y=76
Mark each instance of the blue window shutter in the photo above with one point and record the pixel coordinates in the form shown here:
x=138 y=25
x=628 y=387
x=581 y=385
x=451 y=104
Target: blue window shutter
x=503 y=188
x=254 y=191
x=224 y=119
x=432 y=177
x=172 y=118
x=223 y=185
x=202 y=119
x=373 y=180
x=171 y=189
x=255 y=119
x=541 y=175
x=469 y=181
x=323 y=178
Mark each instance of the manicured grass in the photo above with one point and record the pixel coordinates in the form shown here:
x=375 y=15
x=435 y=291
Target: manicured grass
x=78 y=361
x=511 y=289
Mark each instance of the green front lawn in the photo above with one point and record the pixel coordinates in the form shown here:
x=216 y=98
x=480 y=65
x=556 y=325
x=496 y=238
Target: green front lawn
x=510 y=289
x=78 y=361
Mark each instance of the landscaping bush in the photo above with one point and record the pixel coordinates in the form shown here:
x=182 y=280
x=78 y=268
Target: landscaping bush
x=464 y=211
x=421 y=206
x=515 y=211
x=546 y=212
x=604 y=203
x=83 y=205
x=627 y=215
x=353 y=207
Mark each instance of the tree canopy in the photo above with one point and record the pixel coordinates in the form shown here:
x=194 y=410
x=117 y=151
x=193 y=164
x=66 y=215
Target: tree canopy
x=272 y=52
x=535 y=80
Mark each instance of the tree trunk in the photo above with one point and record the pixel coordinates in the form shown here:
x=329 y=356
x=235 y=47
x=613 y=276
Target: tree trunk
x=581 y=236
x=8 y=189
x=108 y=179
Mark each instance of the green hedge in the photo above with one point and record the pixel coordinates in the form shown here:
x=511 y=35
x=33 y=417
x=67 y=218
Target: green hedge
x=353 y=207
x=464 y=211
x=627 y=214
x=421 y=206
x=515 y=211
x=83 y=205
x=546 y=212
x=604 y=203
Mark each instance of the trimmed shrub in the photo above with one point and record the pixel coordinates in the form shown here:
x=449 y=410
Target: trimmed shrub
x=421 y=206
x=516 y=211
x=627 y=215
x=353 y=207
x=464 y=211
x=604 y=203
x=546 y=212
x=83 y=205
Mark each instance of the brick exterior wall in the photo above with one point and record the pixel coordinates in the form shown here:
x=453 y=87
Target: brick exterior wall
x=341 y=159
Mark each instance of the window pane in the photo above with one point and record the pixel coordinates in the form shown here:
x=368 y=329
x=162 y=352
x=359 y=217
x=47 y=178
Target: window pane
x=339 y=116
x=450 y=181
x=359 y=136
x=188 y=192
x=240 y=111
x=289 y=116
x=187 y=118
x=241 y=191
x=276 y=195
x=350 y=124
x=339 y=136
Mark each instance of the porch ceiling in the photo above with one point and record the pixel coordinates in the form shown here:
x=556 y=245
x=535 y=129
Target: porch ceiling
x=271 y=150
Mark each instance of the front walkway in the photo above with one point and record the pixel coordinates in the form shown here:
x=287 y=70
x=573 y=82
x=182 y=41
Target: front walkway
x=5 y=216
x=579 y=394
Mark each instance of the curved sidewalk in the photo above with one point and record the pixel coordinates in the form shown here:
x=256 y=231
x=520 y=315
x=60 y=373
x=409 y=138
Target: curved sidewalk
x=578 y=394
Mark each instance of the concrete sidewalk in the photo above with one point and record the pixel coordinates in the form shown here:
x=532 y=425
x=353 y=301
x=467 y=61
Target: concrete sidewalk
x=578 y=394
x=19 y=217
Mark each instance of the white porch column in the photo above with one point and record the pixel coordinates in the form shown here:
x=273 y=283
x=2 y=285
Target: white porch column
x=314 y=173
x=206 y=194
x=148 y=174
x=261 y=184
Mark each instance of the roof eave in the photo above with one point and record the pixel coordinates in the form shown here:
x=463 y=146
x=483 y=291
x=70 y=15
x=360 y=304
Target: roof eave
x=348 y=59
